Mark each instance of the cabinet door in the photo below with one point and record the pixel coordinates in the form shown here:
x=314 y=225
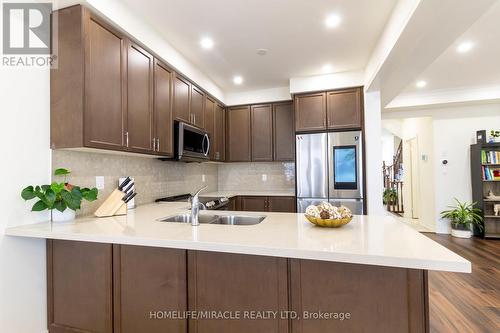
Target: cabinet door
x=234 y=282
x=254 y=204
x=310 y=112
x=163 y=109
x=220 y=132
x=344 y=109
x=182 y=100
x=282 y=204
x=197 y=104
x=283 y=133
x=146 y=280
x=210 y=124
x=79 y=287
x=375 y=296
x=262 y=132
x=139 y=100
x=105 y=96
x=238 y=134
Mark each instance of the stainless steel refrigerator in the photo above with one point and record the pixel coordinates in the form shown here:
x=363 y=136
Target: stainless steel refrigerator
x=329 y=168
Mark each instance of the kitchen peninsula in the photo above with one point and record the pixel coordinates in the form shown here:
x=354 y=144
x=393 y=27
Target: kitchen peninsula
x=118 y=274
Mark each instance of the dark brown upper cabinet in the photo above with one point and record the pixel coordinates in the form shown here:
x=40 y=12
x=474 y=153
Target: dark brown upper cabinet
x=210 y=123
x=182 y=99
x=310 y=112
x=139 y=131
x=344 y=109
x=197 y=106
x=262 y=132
x=283 y=132
x=163 y=109
x=110 y=92
x=219 y=141
x=238 y=134
x=88 y=92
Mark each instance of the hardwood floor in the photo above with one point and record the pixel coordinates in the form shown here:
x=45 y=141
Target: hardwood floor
x=467 y=302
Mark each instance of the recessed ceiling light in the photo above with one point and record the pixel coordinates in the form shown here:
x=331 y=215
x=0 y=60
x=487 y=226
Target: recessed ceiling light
x=237 y=80
x=207 y=43
x=333 y=21
x=421 y=84
x=327 y=68
x=262 y=52
x=464 y=47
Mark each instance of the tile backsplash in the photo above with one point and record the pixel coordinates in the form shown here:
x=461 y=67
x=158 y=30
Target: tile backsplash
x=153 y=178
x=261 y=176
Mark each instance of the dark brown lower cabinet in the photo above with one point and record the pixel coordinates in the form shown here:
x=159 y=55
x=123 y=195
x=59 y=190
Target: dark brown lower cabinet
x=253 y=204
x=147 y=282
x=282 y=204
x=267 y=204
x=240 y=284
x=377 y=299
x=104 y=288
x=79 y=287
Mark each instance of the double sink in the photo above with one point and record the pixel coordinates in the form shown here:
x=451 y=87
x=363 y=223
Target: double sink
x=216 y=219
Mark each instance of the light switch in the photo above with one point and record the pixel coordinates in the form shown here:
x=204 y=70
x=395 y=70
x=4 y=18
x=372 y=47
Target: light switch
x=99 y=182
x=264 y=177
x=203 y=178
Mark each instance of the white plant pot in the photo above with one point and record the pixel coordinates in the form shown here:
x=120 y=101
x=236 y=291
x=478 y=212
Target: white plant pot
x=461 y=233
x=67 y=215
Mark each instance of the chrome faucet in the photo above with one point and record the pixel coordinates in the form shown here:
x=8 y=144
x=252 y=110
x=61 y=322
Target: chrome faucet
x=195 y=207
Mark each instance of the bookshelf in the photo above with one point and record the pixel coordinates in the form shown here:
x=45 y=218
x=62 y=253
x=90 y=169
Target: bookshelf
x=485 y=177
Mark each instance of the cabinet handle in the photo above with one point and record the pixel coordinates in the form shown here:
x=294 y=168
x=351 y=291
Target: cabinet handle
x=154 y=144
x=126 y=139
x=158 y=144
x=194 y=119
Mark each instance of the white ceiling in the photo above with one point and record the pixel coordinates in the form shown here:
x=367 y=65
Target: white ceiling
x=292 y=30
x=480 y=67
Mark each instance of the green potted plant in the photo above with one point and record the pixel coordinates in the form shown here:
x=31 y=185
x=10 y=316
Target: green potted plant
x=390 y=196
x=462 y=217
x=62 y=199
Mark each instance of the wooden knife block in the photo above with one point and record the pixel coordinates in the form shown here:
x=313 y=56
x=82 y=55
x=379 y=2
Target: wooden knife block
x=113 y=205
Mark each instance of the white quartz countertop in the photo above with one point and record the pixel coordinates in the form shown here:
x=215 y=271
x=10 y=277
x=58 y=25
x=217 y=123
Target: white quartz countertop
x=231 y=194
x=373 y=240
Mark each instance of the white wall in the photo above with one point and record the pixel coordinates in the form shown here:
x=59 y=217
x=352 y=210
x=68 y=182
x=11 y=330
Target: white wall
x=387 y=147
x=454 y=131
x=422 y=129
x=327 y=81
x=24 y=132
x=373 y=153
x=258 y=96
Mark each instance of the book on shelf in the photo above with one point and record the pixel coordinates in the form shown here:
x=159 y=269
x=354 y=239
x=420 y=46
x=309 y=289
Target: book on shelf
x=491 y=173
x=490 y=157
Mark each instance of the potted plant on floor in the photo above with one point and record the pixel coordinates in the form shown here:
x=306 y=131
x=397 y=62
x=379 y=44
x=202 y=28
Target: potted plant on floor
x=462 y=217
x=62 y=199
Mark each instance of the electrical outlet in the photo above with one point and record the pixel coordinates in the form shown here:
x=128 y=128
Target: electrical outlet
x=99 y=182
x=264 y=177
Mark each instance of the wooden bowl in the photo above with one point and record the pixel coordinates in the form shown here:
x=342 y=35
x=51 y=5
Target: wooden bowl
x=329 y=223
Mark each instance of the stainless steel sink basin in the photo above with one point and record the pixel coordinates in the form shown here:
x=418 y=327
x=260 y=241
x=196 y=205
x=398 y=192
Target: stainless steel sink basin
x=238 y=219
x=216 y=219
x=186 y=218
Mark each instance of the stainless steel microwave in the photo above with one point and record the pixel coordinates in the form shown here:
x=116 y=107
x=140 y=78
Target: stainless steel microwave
x=192 y=144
